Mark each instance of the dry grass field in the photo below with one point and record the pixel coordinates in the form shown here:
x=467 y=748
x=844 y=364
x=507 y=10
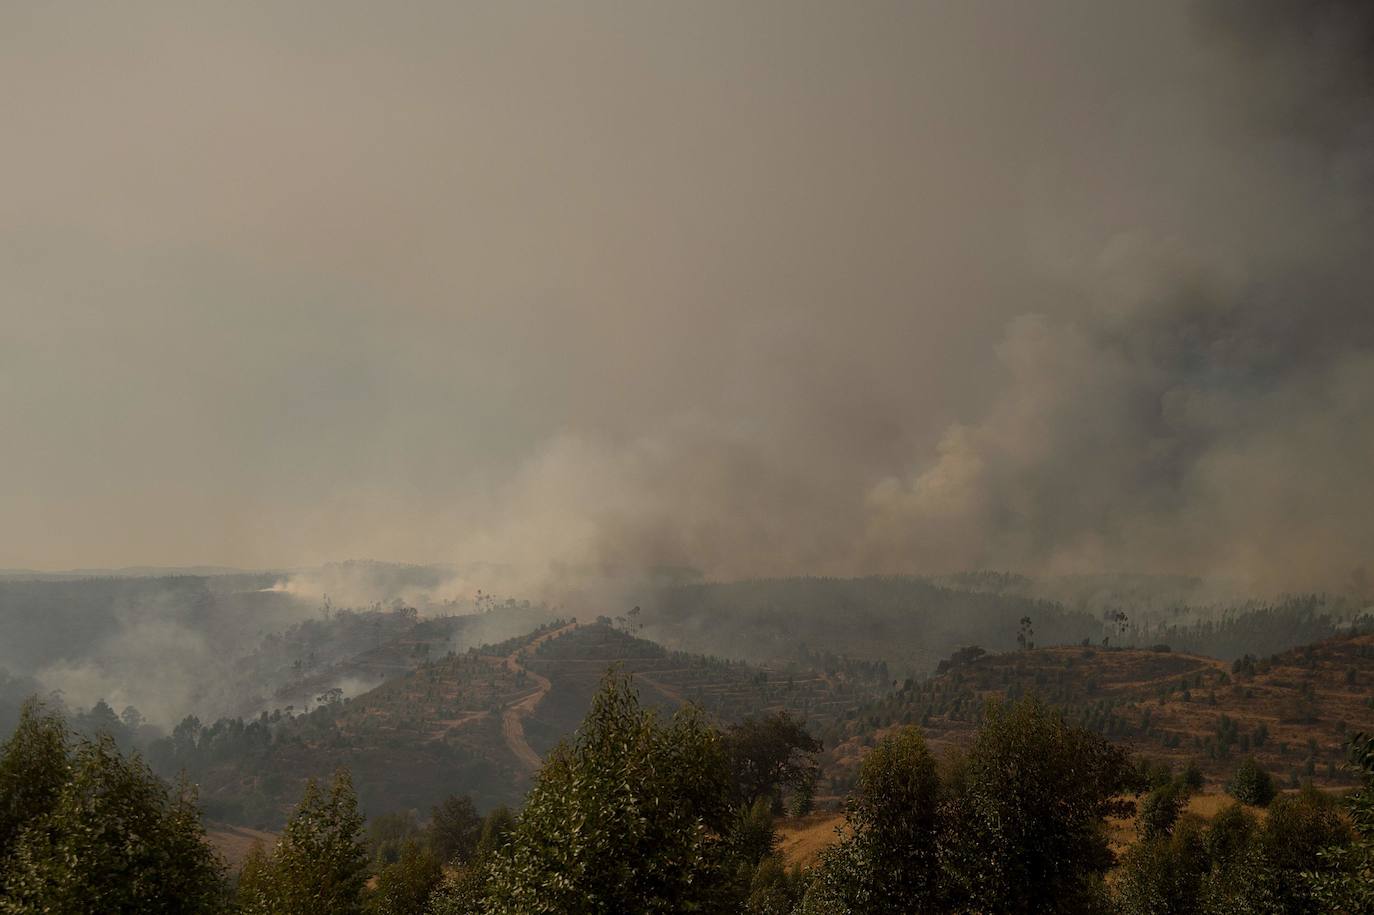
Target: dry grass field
x=233 y=843
x=802 y=839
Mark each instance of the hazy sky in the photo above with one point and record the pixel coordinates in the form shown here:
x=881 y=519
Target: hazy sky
x=759 y=287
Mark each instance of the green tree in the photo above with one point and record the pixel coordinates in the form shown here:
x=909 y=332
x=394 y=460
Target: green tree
x=752 y=837
x=319 y=866
x=1297 y=829
x=455 y=827
x=33 y=769
x=1229 y=835
x=773 y=890
x=767 y=754
x=1026 y=829
x=114 y=841
x=405 y=885
x=1235 y=866
x=1160 y=810
x=387 y=835
x=496 y=826
x=888 y=862
x=1251 y=784
x=461 y=891
x=629 y=818
x=1192 y=777
x=1163 y=874
x=804 y=794
x=253 y=877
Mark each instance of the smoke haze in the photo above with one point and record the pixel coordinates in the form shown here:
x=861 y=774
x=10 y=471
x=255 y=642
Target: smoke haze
x=762 y=289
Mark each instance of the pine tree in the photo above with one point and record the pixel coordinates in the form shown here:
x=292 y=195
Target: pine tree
x=804 y=794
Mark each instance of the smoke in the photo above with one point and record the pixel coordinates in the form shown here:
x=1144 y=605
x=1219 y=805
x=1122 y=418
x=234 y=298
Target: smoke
x=361 y=584
x=162 y=668
x=1207 y=408
x=579 y=300
x=1195 y=400
x=167 y=646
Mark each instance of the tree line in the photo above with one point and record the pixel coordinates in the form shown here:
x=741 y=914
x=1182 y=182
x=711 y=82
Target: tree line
x=641 y=813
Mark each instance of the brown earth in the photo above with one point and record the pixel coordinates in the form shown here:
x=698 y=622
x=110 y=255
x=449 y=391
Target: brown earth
x=802 y=839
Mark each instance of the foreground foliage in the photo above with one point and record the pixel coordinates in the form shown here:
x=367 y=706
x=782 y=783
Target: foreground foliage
x=641 y=814
x=1345 y=884
x=319 y=865
x=632 y=817
x=85 y=829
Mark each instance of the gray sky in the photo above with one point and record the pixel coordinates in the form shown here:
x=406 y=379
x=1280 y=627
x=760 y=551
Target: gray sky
x=759 y=287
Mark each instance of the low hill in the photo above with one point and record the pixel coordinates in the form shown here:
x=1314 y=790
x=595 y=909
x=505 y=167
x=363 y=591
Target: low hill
x=356 y=651
x=727 y=690
x=479 y=722
x=1293 y=711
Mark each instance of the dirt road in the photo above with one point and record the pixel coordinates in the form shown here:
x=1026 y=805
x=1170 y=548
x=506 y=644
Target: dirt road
x=512 y=717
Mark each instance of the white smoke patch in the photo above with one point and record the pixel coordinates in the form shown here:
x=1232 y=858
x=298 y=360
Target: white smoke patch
x=362 y=584
x=586 y=523
x=162 y=668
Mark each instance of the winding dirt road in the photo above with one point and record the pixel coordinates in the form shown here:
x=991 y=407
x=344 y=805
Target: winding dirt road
x=512 y=717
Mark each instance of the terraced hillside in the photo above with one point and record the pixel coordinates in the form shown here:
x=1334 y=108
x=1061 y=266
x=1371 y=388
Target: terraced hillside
x=1293 y=711
x=359 y=650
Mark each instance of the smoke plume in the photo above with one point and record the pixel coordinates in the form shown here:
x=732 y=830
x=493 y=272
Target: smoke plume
x=609 y=294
